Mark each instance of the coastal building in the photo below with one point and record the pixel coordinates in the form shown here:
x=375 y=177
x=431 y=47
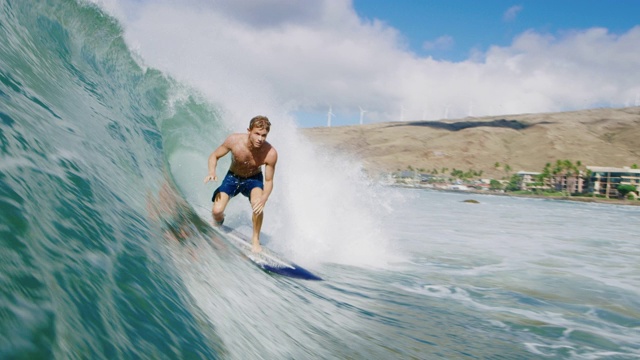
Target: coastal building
x=563 y=182
x=605 y=180
x=569 y=183
x=528 y=180
x=412 y=177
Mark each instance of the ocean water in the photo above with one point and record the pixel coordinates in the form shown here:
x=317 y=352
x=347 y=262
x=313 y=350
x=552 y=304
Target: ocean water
x=107 y=252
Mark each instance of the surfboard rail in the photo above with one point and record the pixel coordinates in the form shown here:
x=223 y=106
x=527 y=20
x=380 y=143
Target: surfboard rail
x=266 y=260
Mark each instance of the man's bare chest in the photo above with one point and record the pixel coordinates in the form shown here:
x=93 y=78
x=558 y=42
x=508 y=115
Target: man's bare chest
x=247 y=159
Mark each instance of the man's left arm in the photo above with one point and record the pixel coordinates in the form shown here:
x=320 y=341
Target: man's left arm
x=269 y=171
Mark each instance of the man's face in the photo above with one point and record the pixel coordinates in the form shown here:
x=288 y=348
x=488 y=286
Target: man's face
x=257 y=137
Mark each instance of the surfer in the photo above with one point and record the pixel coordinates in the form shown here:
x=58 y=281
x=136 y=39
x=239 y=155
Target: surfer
x=248 y=153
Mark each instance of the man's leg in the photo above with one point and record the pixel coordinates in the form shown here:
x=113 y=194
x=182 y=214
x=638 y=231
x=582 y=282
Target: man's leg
x=220 y=203
x=256 y=193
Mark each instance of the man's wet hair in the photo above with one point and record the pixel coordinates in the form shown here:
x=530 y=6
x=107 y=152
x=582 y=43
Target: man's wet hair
x=260 y=122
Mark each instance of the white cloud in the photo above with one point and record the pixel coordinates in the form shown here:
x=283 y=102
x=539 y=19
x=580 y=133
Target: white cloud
x=512 y=13
x=287 y=55
x=444 y=42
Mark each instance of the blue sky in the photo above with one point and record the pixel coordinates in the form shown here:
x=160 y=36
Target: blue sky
x=464 y=25
x=398 y=60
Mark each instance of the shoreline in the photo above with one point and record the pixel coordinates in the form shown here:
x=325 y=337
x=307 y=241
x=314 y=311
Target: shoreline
x=532 y=196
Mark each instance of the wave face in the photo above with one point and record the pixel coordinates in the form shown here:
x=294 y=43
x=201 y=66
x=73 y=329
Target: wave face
x=82 y=150
x=105 y=253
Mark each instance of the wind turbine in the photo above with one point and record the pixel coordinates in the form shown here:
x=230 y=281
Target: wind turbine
x=362 y=111
x=446 y=112
x=329 y=115
x=401 y=113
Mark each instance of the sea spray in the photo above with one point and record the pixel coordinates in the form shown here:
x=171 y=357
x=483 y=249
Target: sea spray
x=323 y=208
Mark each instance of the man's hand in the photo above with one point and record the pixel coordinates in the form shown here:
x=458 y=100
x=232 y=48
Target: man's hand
x=210 y=177
x=258 y=206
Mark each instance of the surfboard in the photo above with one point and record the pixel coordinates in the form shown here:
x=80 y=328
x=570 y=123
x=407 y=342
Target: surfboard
x=266 y=260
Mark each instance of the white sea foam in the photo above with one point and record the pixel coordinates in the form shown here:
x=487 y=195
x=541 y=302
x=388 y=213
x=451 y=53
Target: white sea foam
x=323 y=209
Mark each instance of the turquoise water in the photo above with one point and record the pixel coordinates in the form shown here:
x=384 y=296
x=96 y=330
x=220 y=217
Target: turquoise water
x=106 y=252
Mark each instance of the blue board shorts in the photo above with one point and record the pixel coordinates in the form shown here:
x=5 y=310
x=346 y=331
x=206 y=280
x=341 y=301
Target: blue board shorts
x=233 y=185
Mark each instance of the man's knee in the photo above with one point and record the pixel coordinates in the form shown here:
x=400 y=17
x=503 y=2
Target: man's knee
x=220 y=204
x=255 y=195
x=217 y=210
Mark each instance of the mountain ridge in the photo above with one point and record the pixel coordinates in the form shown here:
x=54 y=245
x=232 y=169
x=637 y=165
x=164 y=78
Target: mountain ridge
x=597 y=137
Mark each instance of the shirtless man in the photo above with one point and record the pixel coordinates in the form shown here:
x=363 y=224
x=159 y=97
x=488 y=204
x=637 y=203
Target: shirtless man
x=249 y=152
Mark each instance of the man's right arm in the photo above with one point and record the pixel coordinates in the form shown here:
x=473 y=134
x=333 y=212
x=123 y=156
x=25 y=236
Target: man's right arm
x=221 y=151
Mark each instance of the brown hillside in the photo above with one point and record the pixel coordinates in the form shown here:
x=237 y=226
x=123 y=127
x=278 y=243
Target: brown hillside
x=600 y=137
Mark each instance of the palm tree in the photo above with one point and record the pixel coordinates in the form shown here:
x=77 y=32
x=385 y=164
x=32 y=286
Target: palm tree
x=569 y=170
x=557 y=173
x=507 y=169
x=545 y=175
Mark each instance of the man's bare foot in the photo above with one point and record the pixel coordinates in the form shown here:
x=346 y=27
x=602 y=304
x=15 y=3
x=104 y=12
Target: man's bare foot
x=218 y=222
x=256 y=248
